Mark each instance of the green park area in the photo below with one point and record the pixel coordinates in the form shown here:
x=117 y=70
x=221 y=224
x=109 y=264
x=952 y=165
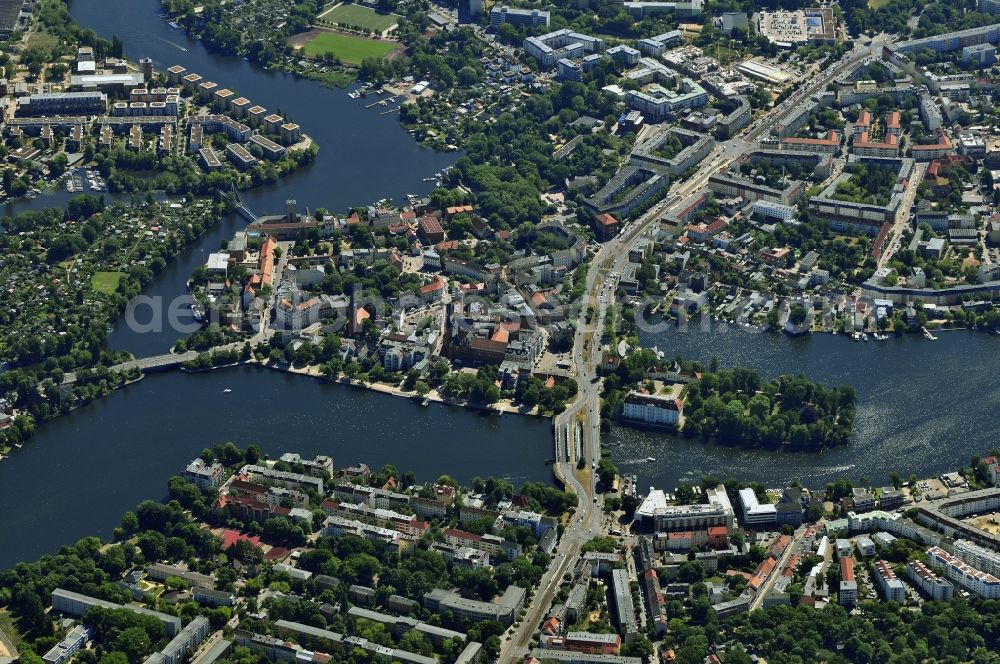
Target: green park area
x=106 y=282
x=359 y=16
x=350 y=50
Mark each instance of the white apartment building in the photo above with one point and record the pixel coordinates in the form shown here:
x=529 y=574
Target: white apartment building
x=970 y=578
x=978 y=556
x=933 y=586
x=652 y=409
x=891 y=587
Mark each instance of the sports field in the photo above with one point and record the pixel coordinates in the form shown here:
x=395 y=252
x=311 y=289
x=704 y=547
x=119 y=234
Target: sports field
x=359 y=15
x=350 y=50
x=106 y=282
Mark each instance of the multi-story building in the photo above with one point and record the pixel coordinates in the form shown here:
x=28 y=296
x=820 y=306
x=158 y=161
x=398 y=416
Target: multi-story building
x=683 y=8
x=549 y=48
x=652 y=409
x=186 y=642
x=62 y=103
x=847 y=593
x=972 y=579
x=76 y=604
x=933 y=586
x=503 y=610
x=529 y=17
x=204 y=475
x=68 y=646
x=891 y=587
x=625 y=619
x=272 y=477
x=658 y=45
x=828 y=145
x=755 y=513
x=952 y=41
x=864 y=147
x=655 y=513
x=928 y=151
x=162 y=572
x=774 y=210
x=978 y=556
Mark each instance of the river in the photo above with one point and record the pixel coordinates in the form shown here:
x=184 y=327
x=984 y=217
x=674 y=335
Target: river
x=81 y=472
x=924 y=407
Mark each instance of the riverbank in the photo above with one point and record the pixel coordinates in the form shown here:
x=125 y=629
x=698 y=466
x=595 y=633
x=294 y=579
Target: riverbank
x=313 y=371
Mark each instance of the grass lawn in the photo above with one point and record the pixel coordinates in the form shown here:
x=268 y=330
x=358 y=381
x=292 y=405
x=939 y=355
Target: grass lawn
x=877 y=4
x=351 y=50
x=106 y=282
x=361 y=16
x=42 y=39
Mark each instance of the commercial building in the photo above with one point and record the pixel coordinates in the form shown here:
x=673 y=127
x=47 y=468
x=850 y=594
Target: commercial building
x=652 y=409
x=529 y=17
x=625 y=619
x=794 y=28
x=503 y=610
x=933 y=586
x=755 y=513
x=656 y=514
x=970 y=578
x=891 y=587
x=761 y=71
x=847 y=593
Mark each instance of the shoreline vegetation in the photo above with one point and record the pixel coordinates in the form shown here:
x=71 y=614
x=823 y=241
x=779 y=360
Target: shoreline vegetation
x=736 y=407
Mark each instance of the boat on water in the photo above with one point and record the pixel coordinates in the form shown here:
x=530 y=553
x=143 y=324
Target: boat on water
x=425 y=402
x=174 y=25
x=650 y=459
x=226 y=391
x=864 y=337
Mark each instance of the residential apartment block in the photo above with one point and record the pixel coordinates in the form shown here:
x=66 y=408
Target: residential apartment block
x=891 y=587
x=970 y=578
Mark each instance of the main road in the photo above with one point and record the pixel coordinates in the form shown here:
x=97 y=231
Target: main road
x=583 y=416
